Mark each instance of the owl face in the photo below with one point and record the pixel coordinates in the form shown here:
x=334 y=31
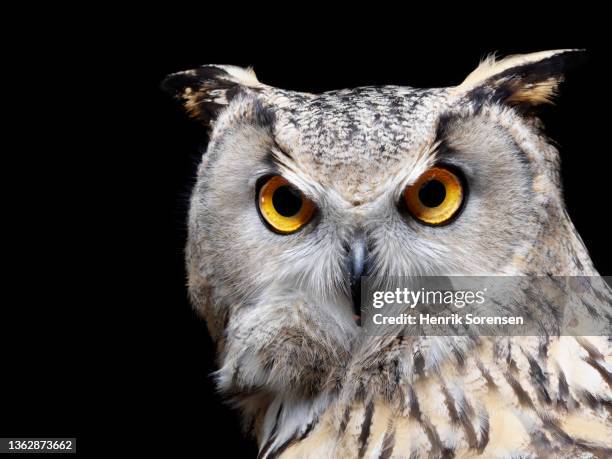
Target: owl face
x=299 y=195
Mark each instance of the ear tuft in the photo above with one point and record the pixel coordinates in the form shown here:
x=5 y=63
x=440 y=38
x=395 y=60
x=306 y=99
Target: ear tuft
x=205 y=90
x=525 y=80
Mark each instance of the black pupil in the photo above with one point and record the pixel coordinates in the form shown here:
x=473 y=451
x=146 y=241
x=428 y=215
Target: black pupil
x=432 y=194
x=287 y=201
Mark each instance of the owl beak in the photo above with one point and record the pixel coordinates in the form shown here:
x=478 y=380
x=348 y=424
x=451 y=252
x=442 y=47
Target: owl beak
x=357 y=258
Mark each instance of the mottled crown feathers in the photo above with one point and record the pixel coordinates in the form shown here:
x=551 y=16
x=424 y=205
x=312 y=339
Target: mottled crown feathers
x=524 y=80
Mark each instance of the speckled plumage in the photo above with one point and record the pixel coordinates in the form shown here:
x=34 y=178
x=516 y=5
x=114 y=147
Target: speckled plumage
x=308 y=381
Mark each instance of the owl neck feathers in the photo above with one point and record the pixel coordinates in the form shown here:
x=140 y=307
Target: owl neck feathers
x=457 y=405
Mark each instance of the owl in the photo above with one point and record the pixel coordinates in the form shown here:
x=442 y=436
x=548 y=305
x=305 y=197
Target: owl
x=299 y=196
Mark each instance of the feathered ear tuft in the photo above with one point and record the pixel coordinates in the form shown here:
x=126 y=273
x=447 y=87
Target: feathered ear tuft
x=205 y=90
x=524 y=80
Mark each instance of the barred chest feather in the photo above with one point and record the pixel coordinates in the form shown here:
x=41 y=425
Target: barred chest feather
x=533 y=398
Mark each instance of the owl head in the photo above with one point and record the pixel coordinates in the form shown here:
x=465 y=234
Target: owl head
x=298 y=195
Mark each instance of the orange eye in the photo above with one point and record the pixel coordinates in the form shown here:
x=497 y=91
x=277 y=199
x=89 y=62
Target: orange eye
x=284 y=207
x=435 y=197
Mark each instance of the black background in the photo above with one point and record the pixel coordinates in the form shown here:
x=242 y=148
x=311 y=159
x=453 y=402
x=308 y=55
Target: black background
x=102 y=342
